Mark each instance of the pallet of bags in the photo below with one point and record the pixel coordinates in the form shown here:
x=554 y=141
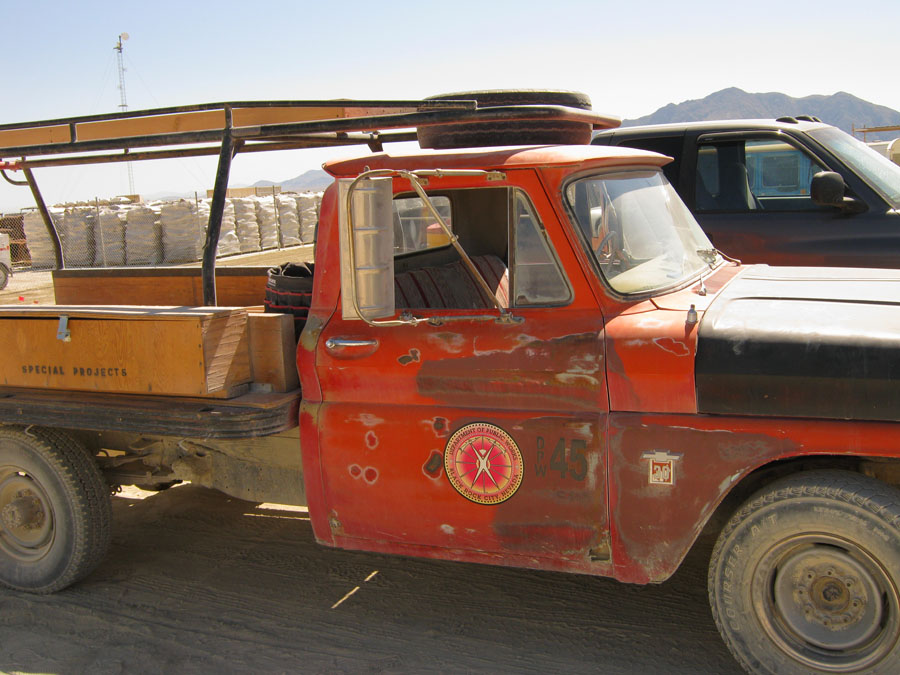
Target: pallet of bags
x=183 y=231
x=288 y=219
x=246 y=224
x=229 y=244
x=110 y=236
x=76 y=235
x=308 y=212
x=268 y=222
x=38 y=240
x=143 y=235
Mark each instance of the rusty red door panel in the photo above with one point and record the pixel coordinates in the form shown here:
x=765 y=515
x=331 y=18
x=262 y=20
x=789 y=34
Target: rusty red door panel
x=391 y=408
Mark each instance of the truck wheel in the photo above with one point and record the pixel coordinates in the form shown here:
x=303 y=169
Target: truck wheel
x=805 y=576
x=528 y=132
x=54 y=510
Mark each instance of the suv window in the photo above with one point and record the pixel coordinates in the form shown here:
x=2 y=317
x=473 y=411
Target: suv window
x=754 y=174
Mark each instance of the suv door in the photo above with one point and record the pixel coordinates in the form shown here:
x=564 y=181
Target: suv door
x=751 y=194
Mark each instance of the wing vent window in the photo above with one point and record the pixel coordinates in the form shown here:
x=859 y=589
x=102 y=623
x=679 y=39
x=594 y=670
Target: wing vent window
x=537 y=277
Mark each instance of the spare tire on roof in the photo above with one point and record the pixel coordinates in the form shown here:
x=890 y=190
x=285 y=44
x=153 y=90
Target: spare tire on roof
x=500 y=132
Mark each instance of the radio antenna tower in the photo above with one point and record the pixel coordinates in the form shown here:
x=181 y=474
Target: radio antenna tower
x=123 y=105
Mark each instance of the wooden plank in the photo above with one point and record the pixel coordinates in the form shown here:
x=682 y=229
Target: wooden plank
x=273 y=350
x=226 y=351
x=12 y=138
x=171 y=351
x=235 y=286
x=148 y=126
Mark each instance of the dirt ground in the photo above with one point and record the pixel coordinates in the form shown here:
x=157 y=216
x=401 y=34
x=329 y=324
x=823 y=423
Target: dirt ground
x=197 y=582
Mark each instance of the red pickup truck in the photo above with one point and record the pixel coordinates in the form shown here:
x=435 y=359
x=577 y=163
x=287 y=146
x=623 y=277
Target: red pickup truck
x=571 y=379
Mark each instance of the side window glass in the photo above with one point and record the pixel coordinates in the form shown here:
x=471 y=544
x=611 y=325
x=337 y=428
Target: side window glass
x=537 y=278
x=780 y=175
x=415 y=229
x=753 y=175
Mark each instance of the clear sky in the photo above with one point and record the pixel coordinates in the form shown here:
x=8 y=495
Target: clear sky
x=630 y=57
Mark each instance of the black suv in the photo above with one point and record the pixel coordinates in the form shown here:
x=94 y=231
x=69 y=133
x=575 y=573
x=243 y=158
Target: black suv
x=791 y=191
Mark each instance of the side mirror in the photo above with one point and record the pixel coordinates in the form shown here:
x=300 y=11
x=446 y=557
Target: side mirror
x=367 y=248
x=827 y=189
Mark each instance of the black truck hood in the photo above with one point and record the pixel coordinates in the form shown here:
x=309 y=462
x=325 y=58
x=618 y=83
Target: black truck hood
x=803 y=342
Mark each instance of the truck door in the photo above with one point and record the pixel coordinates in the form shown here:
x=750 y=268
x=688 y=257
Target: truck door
x=473 y=437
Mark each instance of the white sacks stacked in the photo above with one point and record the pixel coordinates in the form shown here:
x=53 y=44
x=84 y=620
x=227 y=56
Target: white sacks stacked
x=39 y=242
x=76 y=235
x=229 y=244
x=109 y=237
x=143 y=236
x=268 y=223
x=246 y=224
x=183 y=231
x=308 y=210
x=288 y=220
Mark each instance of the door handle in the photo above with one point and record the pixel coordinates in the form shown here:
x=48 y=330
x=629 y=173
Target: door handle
x=350 y=348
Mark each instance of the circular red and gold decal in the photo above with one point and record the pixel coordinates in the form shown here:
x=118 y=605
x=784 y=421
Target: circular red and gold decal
x=483 y=463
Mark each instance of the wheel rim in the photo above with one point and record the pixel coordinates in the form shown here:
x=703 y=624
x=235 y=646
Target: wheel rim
x=26 y=515
x=827 y=603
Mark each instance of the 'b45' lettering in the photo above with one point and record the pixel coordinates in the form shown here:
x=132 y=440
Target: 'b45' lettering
x=571 y=461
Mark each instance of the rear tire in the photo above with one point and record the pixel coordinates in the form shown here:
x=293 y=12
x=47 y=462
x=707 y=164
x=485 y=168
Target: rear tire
x=527 y=132
x=55 y=511
x=805 y=577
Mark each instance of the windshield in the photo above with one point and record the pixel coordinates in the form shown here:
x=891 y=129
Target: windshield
x=640 y=232
x=880 y=172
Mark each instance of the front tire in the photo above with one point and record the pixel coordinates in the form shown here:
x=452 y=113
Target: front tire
x=55 y=511
x=805 y=577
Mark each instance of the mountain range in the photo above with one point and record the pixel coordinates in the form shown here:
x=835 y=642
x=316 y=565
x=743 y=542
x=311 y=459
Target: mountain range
x=841 y=110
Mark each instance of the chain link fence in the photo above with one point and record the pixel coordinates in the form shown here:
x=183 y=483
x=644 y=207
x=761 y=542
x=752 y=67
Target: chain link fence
x=119 y=233
x=12 y=225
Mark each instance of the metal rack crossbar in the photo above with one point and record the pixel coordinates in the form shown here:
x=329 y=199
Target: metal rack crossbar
x=227 y=128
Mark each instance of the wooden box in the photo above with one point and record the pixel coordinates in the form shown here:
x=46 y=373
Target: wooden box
x=273 y=350
x=174 y=351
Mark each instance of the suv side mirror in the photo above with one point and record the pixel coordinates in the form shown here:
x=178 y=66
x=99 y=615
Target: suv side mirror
x=827 y=189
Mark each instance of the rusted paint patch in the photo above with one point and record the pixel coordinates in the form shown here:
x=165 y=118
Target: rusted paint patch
x=367 y=420
x=412 y=357
x=371 y=440
x=434 y=466
x=440 y=426
x=525 y=377
x=369 y=473
x=448 y=342
x=673 y=346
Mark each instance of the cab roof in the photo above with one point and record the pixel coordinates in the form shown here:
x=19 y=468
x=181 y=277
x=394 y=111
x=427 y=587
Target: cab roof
x=520 y=156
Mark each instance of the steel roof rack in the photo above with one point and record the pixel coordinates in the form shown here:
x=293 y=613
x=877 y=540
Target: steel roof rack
x=228 y=128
